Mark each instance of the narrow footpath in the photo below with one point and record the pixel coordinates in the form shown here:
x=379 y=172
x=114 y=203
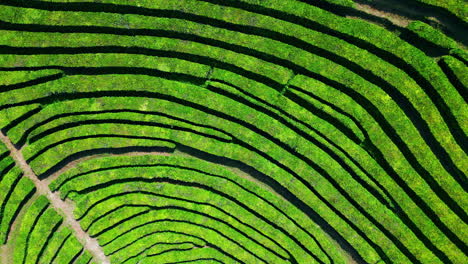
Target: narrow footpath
x=64 y=209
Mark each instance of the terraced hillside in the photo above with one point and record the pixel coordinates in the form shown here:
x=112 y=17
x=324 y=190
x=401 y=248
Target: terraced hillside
x=233 y=131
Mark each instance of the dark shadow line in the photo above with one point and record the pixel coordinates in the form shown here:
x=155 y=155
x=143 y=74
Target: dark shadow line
x=448 y=22
x=399 y=98
x=61 y=127
x=223 y=115
x=85 y=153
x=7 y=168
x=402 y=101
x=188 y=201
x=169 y=250
x=106 y=214
x=72 y=261
x=190 y=223
x=28 y=236
x=286 y=193
x=9 y=192
x=460 y=58
x=155 y=244
x=175 y=232
x=140 y=94
x=20 y=119
x=4 y=155
x=434 y=145
x=307 y=136
x=211 y=175
x=196 y=260
x=31 y=129
x=443 y=157
x=60 y=248
x=314 y=141
x=387 y=56
x=106 y=184
x=40 y=152
x=448 y=71
x=152 y=233
x=17 y=211
x=442 y=163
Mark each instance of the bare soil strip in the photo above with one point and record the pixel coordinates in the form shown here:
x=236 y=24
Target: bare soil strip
x=4 y=253
x=393 y=17
x=64 y=209
x=235 y=170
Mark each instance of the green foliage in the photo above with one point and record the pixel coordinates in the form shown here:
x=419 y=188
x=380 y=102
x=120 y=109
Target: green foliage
x=28 y=222
x=458 y=68
x=15 y=192
x=72 y=247
x=457 y=7
x=432 y=35
x=231 y=187
x=331 y=129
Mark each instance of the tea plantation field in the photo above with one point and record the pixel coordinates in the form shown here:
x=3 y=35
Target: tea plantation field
x=233 y=131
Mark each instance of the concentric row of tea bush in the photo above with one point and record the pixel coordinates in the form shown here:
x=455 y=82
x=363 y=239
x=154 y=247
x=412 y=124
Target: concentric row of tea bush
x=348 y=141
x=206 y=205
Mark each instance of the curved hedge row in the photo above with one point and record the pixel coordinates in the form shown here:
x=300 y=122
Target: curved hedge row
x=198 y=189
x=230 y=132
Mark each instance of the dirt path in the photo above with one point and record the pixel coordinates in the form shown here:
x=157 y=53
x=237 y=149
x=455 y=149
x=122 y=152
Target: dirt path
x=74 y=163
x=401 y=13
x=235 y=170
x=64 y=209
x=4 y=253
